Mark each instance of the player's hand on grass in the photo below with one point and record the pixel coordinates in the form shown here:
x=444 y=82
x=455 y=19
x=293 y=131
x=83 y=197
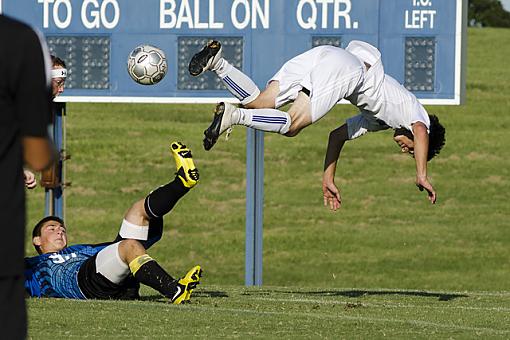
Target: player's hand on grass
x=424 y=184
x=331 y=195
x=30 y=181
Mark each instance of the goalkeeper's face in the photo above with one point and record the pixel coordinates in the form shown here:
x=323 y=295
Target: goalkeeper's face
x=57 y=84
x=53 y=237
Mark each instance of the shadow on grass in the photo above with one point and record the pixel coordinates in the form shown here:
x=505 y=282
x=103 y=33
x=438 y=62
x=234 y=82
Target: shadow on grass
x=195 y=294
x=359 y=293
x=209 y=293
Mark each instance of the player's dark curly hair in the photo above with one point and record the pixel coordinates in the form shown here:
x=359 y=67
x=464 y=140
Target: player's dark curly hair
x=56 y=61
x=436 y=136
x=37 y=229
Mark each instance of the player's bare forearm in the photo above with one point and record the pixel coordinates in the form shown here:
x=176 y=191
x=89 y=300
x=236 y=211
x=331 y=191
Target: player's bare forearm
x=331 y=193
x=421 y=147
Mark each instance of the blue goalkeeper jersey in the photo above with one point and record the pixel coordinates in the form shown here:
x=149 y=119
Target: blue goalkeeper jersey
x=56 y=274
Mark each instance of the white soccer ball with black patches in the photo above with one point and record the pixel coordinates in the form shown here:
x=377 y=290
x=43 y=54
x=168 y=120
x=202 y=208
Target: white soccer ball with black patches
x=147 y=65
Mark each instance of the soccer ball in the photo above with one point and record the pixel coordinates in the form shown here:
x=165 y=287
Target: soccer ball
x=147 y=65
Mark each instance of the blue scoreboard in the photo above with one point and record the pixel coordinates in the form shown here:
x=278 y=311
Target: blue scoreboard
x=422 y=41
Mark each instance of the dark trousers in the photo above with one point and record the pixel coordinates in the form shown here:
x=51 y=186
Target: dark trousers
x=13 y=316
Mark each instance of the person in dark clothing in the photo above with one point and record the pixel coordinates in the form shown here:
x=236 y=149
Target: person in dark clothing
x=25 y=105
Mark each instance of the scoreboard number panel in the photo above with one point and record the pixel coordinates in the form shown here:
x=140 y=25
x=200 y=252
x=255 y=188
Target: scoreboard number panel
x=87 y=58
x=422 y=41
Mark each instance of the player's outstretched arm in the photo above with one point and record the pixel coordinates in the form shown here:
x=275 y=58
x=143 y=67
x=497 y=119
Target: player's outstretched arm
x=330 y=191
x=421 y=147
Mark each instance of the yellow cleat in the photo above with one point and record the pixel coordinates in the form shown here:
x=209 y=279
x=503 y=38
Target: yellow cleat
x=186 y=170
x=186 y=285
x=192 y=286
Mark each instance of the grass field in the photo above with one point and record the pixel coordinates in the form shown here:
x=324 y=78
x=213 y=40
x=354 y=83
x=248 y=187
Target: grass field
x=281 y=312
x=387 y=264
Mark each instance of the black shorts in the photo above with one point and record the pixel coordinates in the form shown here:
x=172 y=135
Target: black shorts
x=95 y=286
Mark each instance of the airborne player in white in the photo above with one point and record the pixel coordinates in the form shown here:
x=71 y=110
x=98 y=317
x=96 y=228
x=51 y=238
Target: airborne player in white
x=314 y=82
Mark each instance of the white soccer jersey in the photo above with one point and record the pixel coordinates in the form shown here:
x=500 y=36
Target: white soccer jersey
x=329 y=73
x=383 y=102
x=399 y=109
x=369 y=95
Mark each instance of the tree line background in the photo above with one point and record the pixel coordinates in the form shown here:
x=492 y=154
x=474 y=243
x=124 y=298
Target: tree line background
x=483 y=13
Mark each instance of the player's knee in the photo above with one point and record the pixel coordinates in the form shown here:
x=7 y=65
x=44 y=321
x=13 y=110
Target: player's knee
x=293 y=131
x=297 y=123
x=266 y=99
x=130 y=247
x=260 y=102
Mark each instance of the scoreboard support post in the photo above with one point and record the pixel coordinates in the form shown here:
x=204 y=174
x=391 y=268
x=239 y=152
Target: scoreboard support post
x=54 y=194
x=254 y=206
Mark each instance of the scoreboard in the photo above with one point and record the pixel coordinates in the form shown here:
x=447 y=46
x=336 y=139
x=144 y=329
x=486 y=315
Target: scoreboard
x=422 y=41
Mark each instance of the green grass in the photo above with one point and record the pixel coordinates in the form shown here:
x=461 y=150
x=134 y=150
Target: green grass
x=385 y=239
x=282 y=312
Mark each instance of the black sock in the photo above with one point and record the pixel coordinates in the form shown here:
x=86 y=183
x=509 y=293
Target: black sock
x=154 y=276
x=160 y=201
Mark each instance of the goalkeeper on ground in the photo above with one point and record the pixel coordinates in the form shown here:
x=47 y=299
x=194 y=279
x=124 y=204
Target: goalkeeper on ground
x=114 y=270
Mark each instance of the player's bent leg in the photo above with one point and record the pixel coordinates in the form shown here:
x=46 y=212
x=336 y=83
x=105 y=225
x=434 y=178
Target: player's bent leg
x=107 y=276
x=147 y=235
x=130 y=249
x=222 y=121
x=266 y=99
x=186 y=170
x=111 y=264
x=300 y=113
x=147 y=271
x=238 y=84
x=161 y=200
x=136 y=222
x=226 y=115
